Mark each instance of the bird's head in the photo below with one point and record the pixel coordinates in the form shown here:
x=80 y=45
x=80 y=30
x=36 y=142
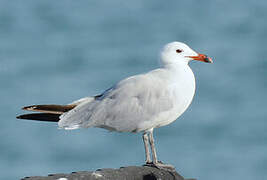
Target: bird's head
x=177 y=53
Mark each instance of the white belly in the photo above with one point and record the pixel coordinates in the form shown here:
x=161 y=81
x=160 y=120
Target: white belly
x=182 y=90
x=184 y=98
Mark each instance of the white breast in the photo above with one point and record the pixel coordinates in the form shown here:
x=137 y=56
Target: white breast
x=182 y=87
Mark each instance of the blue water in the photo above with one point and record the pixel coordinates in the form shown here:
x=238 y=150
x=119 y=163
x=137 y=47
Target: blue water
x=59 y=51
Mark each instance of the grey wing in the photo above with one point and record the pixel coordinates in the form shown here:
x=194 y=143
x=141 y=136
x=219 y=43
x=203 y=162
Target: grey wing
x=125 y=107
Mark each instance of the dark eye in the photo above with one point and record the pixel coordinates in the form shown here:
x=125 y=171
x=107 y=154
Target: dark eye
x=179 y=50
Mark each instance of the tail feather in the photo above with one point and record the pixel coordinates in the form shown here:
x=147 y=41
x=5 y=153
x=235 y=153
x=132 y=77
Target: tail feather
x=40 y=117
x=49 y=112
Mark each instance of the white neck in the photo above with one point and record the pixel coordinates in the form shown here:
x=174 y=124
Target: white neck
x=181 y=74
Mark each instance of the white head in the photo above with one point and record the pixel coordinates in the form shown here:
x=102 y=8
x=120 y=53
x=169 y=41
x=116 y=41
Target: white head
x=180 y=53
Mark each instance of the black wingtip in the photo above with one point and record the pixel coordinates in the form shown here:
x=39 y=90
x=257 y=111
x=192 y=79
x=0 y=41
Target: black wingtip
x=18 y=117
x=29 y=108
x=24 y=116
x=40 y=117
x=50 y=108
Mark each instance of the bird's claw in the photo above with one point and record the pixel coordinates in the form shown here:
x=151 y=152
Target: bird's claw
x=161 y=165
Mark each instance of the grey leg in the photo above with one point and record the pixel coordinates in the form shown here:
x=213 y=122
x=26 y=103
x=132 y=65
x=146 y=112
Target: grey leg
x=152 y=145
x=145 y=139
x=156 y=163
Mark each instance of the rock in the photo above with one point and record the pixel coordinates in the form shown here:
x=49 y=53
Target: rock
x=124 y=173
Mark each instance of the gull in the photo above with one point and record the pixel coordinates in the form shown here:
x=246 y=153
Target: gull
x=138 y=103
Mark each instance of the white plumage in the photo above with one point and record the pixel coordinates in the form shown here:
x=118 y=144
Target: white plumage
x=140 y=102
x=137 y=103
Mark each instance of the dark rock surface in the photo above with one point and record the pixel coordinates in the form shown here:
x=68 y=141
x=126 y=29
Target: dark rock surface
x=124 y=173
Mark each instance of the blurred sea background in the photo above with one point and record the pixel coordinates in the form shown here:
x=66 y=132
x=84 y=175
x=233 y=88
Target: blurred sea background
x=59 y=51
